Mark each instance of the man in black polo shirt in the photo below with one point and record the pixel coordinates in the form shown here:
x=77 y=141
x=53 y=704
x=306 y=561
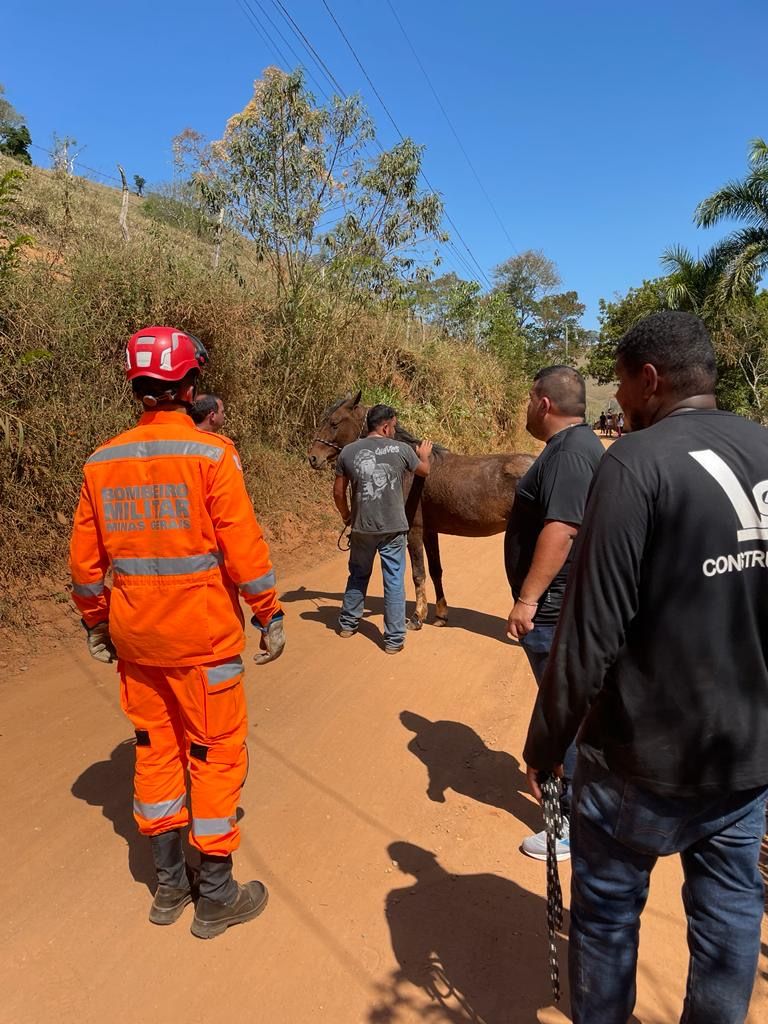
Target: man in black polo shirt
x=548 y=509
x=660 y=662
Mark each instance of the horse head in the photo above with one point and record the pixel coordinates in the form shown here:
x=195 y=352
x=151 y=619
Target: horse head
x=342 y=423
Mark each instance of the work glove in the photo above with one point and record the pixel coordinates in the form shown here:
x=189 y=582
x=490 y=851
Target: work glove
x=100 y=644
x=272 y=639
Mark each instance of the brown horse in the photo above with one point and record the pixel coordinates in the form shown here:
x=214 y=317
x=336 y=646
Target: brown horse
x=464 y=495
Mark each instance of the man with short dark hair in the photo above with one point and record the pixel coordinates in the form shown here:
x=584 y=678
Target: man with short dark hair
x=207 y=413
x=548 y=509
x=660 y=664
x=374 y=468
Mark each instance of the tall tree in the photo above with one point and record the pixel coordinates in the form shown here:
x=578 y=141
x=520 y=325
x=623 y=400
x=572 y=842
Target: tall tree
x=740 y=333
x=325 y=217
x=548 y=320
x=742 y=256
x=450 y=303
x=525 y=279
x=15 y=139
x=691 y=284
x=616 y=318
x=557 y=328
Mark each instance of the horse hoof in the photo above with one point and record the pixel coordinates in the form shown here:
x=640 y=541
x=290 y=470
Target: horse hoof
x=414 y=623
x=441 y=620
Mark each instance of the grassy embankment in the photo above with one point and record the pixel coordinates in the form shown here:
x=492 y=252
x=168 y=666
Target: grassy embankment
x=81 y=291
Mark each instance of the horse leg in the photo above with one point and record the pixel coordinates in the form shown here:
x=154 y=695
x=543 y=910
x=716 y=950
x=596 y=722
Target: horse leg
x=416 y=551
x=432 y=545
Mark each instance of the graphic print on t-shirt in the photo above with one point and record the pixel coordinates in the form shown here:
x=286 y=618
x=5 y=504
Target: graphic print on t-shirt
x=375 y=477
x=754 y=520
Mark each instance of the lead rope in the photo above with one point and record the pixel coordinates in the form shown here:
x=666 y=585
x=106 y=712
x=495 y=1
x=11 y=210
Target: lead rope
x=344 y=541
x=553 y=823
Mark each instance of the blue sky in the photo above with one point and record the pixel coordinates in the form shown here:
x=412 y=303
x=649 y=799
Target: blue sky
x=595 y=127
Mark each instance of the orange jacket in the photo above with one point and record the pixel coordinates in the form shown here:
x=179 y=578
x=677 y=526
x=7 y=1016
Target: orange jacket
x=164 y=506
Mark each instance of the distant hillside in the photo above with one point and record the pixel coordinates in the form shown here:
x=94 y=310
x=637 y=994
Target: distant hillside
x=600 y=398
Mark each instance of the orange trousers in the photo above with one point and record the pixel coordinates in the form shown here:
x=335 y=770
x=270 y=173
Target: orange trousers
x=188 y=720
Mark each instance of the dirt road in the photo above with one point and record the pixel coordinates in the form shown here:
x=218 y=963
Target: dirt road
x=351 y=751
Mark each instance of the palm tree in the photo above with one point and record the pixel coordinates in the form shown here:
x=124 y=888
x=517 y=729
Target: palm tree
x=691 y=284
x=741 y=256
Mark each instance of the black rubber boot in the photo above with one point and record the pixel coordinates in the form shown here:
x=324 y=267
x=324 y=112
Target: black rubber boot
x=222 y=901
x=174 y=888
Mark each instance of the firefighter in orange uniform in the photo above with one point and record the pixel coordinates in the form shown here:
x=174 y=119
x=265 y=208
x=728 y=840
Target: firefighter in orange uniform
x=165 y=508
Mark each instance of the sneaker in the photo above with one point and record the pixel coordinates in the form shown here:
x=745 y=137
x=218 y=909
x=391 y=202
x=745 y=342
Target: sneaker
x=168 y=904
x=212 y=919
x=536 y=846
x=347 y=633
x=394 y=650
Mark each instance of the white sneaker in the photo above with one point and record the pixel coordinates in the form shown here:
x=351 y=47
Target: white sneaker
x=536 y=846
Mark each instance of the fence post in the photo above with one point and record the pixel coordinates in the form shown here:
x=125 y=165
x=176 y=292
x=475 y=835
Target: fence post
x=123 y=218
x=219 y=231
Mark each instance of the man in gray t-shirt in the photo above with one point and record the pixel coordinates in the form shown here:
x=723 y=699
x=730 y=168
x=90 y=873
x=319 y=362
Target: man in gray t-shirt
x=373 y=468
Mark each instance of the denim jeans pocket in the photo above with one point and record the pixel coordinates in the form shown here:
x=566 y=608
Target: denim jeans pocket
x=539 y=640
x=646 y=823
x=635 y=817
x=754 y=822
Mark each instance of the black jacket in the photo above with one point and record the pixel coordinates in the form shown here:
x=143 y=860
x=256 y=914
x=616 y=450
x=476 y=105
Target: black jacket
x=661 y=655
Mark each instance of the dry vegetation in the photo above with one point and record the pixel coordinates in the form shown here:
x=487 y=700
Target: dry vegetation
x=80 y=291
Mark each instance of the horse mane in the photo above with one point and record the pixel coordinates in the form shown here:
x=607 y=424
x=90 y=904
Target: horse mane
x=401 y=434
x=333 y=407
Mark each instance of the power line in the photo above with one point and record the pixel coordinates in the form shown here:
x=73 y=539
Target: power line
x=321 y=63
x=276 y=29
x=268 y=42
x=325 y=70
x=450 y=125
x=360 y=65
x=263 y=32
x=400 y=134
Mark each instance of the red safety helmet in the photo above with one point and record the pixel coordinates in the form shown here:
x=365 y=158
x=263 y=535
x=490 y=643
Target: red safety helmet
x=164 y=353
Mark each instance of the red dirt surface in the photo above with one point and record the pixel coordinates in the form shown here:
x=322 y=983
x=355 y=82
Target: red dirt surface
x=351 y=750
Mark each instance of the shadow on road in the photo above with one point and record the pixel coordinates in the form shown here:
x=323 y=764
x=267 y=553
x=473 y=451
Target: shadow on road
x=480 y=623
x=457 y=758
x=475 y=944
x=109 y=785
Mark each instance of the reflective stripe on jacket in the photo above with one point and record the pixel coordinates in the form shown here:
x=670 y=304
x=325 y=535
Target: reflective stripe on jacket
x=164 y=506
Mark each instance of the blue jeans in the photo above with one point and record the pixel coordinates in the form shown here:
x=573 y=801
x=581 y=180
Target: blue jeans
x=618 y=831
x=537 y=644
x=362 y=551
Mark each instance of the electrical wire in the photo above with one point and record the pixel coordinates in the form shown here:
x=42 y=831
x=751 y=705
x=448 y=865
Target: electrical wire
x=400 y=134
x=459 y=260
x=311 y=49
x=255 y=24
x=263 y=32
x=451 y=125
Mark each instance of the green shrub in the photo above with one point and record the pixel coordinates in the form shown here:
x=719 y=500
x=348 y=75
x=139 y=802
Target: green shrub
x=76 y=297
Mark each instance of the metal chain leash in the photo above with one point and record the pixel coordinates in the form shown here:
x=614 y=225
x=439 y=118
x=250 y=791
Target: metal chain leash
x=553 y=823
